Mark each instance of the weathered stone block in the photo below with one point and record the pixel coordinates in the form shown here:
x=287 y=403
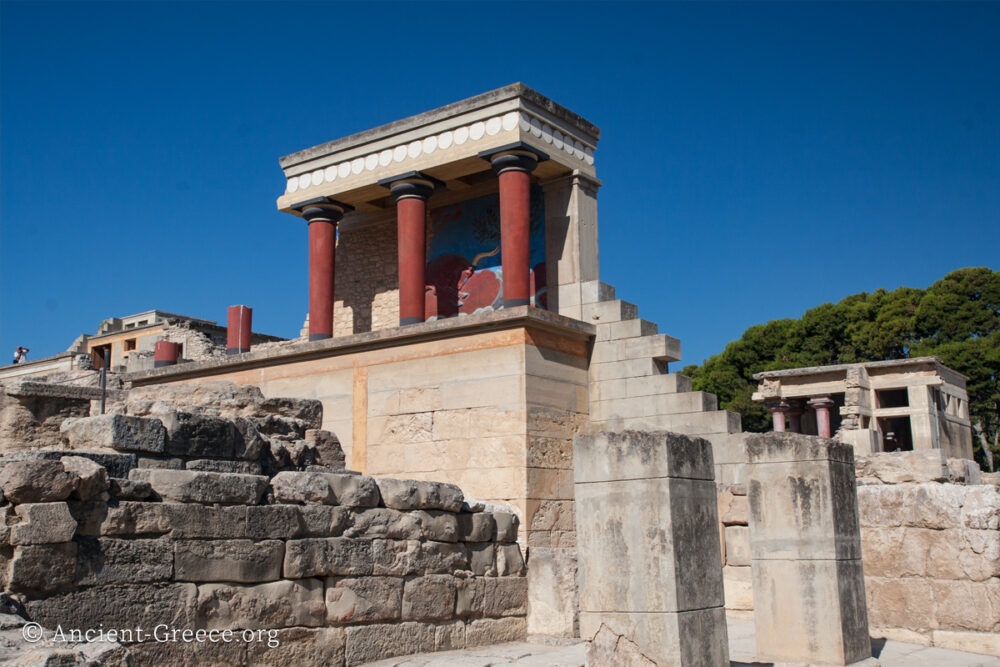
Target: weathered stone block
x=479 y=527
x=552 y=593
x=36 y=481
x=363 y=600
x=737 y=545
x=128 y=489
x=327 y=557
x=136 y=518
x=485 y=631
x=509 y=561
x=116 y=561
x=93 y=477
x=117 y=606
x=505 y=596
x=442 y=558
x=308 y=647
x=194 y=435
x=449 y=636
x=922 y=465
x=697 y=637
x=188 y=486
x=216 y=465
x=367 y=643
x=640 y=455
x=406 y=494
x=397 y=558
x=437 y=525
x=613 y=650
x=279 y=604
x=482 y=558
x=194 y=521
x=228 y=560
x=469 y=597
x=429 y=598
x=384 y=523
x=325 y=489
x=42 y=523
x=114 y=431
x=42 y=568
x=738 y=584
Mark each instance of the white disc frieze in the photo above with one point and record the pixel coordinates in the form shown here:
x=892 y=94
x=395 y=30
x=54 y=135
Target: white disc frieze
x=444 y=140
x=510 y=121
x=413 y=149
x=343 y=169
x=293 y=184
x=330 y=174
x=399 y=153
x=493 y=125
x=385 y=158
x=304 y=181
x=476 y=130
x=371 y=162
x=536 y=127
x=357 y=165
x=430 y=145
x=588 y=155
x=524 y=121
x=461 y=135
x=546 y=134
x=557 y=139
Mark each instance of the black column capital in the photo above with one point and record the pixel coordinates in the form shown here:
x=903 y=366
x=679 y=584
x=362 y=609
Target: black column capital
x=517 y=156
x=411 y=184
x=322 y=209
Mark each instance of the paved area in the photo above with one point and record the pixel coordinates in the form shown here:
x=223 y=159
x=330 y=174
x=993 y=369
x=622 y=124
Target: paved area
x=742 y=650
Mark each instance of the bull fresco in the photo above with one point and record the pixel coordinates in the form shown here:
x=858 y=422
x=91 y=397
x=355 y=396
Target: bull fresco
x=464 y=272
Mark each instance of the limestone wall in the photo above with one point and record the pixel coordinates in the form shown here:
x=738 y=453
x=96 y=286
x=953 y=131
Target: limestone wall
x=366 y=296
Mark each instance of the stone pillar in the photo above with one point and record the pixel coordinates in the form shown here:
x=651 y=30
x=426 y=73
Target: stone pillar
x=411 y=191
x=822 y=405
x=513 y=164
x=322 y=214
x=778 y=411
x=165 y=353
x=648 y=550
x=238 y=325
x=805 y=550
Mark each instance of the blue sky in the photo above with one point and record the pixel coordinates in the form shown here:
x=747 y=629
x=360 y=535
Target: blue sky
x=757 y=160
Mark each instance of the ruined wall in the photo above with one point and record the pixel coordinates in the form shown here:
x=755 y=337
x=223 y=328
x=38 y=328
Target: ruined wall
x=366 y=296
x=930 y=539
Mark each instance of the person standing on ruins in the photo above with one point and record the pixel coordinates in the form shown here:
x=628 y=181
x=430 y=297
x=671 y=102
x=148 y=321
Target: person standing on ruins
x=21 y=354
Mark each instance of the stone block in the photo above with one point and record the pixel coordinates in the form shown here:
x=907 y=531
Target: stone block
x=981 y=507
x=36 y=481
x=325 y=489
x=972 y=642
x=368 y=643
x=42 y=568
x=188 y=486
x=507 y=525
x=327 y=448
x=449 y=636
x=117 y=606
x=217 y=465
x=613 y=650
x=900 y=602
x=385 y=523
x=93 y=477
x=552 y=593
x=117 y=561
x=648 y=545
x=505 y=596
x=363 y=600
x=429 y=598
x=197 y=435
x=195 y=521
x=469 y=597
x=478 y=527
x=278 y=604
x=921 y=465
x=327 y=557
x=128 y=489
x=397 y=558
x=482 y=558
x=242 y=561
x=308 y=647
x=42 y=523
x=437 y=525
x=408 y=494
x=509 y=561
x=442 y=558
x=160 y=462
x=640 y=455
x=738 y=585
x=737 y=545
x=486 y=631
x=114 y=431
x=696 y=637
x=136 y=518
x=324 y=520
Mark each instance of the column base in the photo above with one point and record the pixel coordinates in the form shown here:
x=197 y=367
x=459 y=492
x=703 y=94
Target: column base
x=319 y=336
x=161 y=364
x=514 y=303
x=237 y=350
x=403 y=321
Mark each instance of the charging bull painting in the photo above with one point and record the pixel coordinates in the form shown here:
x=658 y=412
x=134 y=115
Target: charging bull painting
x=464 y=273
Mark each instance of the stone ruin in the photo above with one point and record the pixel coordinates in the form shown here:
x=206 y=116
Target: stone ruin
x=211 y=508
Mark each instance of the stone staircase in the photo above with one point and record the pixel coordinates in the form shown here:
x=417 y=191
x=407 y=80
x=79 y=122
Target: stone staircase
x=631 y=386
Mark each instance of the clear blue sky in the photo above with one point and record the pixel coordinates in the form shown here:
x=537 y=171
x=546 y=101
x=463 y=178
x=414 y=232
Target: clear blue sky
x=758 y=160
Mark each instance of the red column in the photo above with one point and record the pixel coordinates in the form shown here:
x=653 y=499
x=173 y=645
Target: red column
x=822 y=405
x=322 y=215
x=514 y=164
x=238 y=329
x=778 y=416
x=165 y=354
x=795 y=418
x=411 y=191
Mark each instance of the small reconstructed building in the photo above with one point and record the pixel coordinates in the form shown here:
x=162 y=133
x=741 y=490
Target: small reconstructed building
x=878 y=406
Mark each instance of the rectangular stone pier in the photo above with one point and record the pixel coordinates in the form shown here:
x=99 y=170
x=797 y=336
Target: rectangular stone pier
x=650 y=569
x=805 y=550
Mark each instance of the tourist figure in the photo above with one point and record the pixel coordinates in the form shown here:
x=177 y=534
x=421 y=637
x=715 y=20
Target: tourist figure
x=21 y=354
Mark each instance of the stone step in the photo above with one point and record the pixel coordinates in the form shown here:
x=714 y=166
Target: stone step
x=649 y=385
x=651 y=406
x=629 y=368
x=657 y=346
x=690 y=423
x=609 y=311
x=627 y=329
x=594 y=291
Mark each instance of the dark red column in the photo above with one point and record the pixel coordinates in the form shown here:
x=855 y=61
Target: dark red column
x=778 y=411
x=238 y=329
x=822 y=405
x=322 y=215
x=514 y=164
x=795 y=417
x=411 y=191
x=165 y=354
